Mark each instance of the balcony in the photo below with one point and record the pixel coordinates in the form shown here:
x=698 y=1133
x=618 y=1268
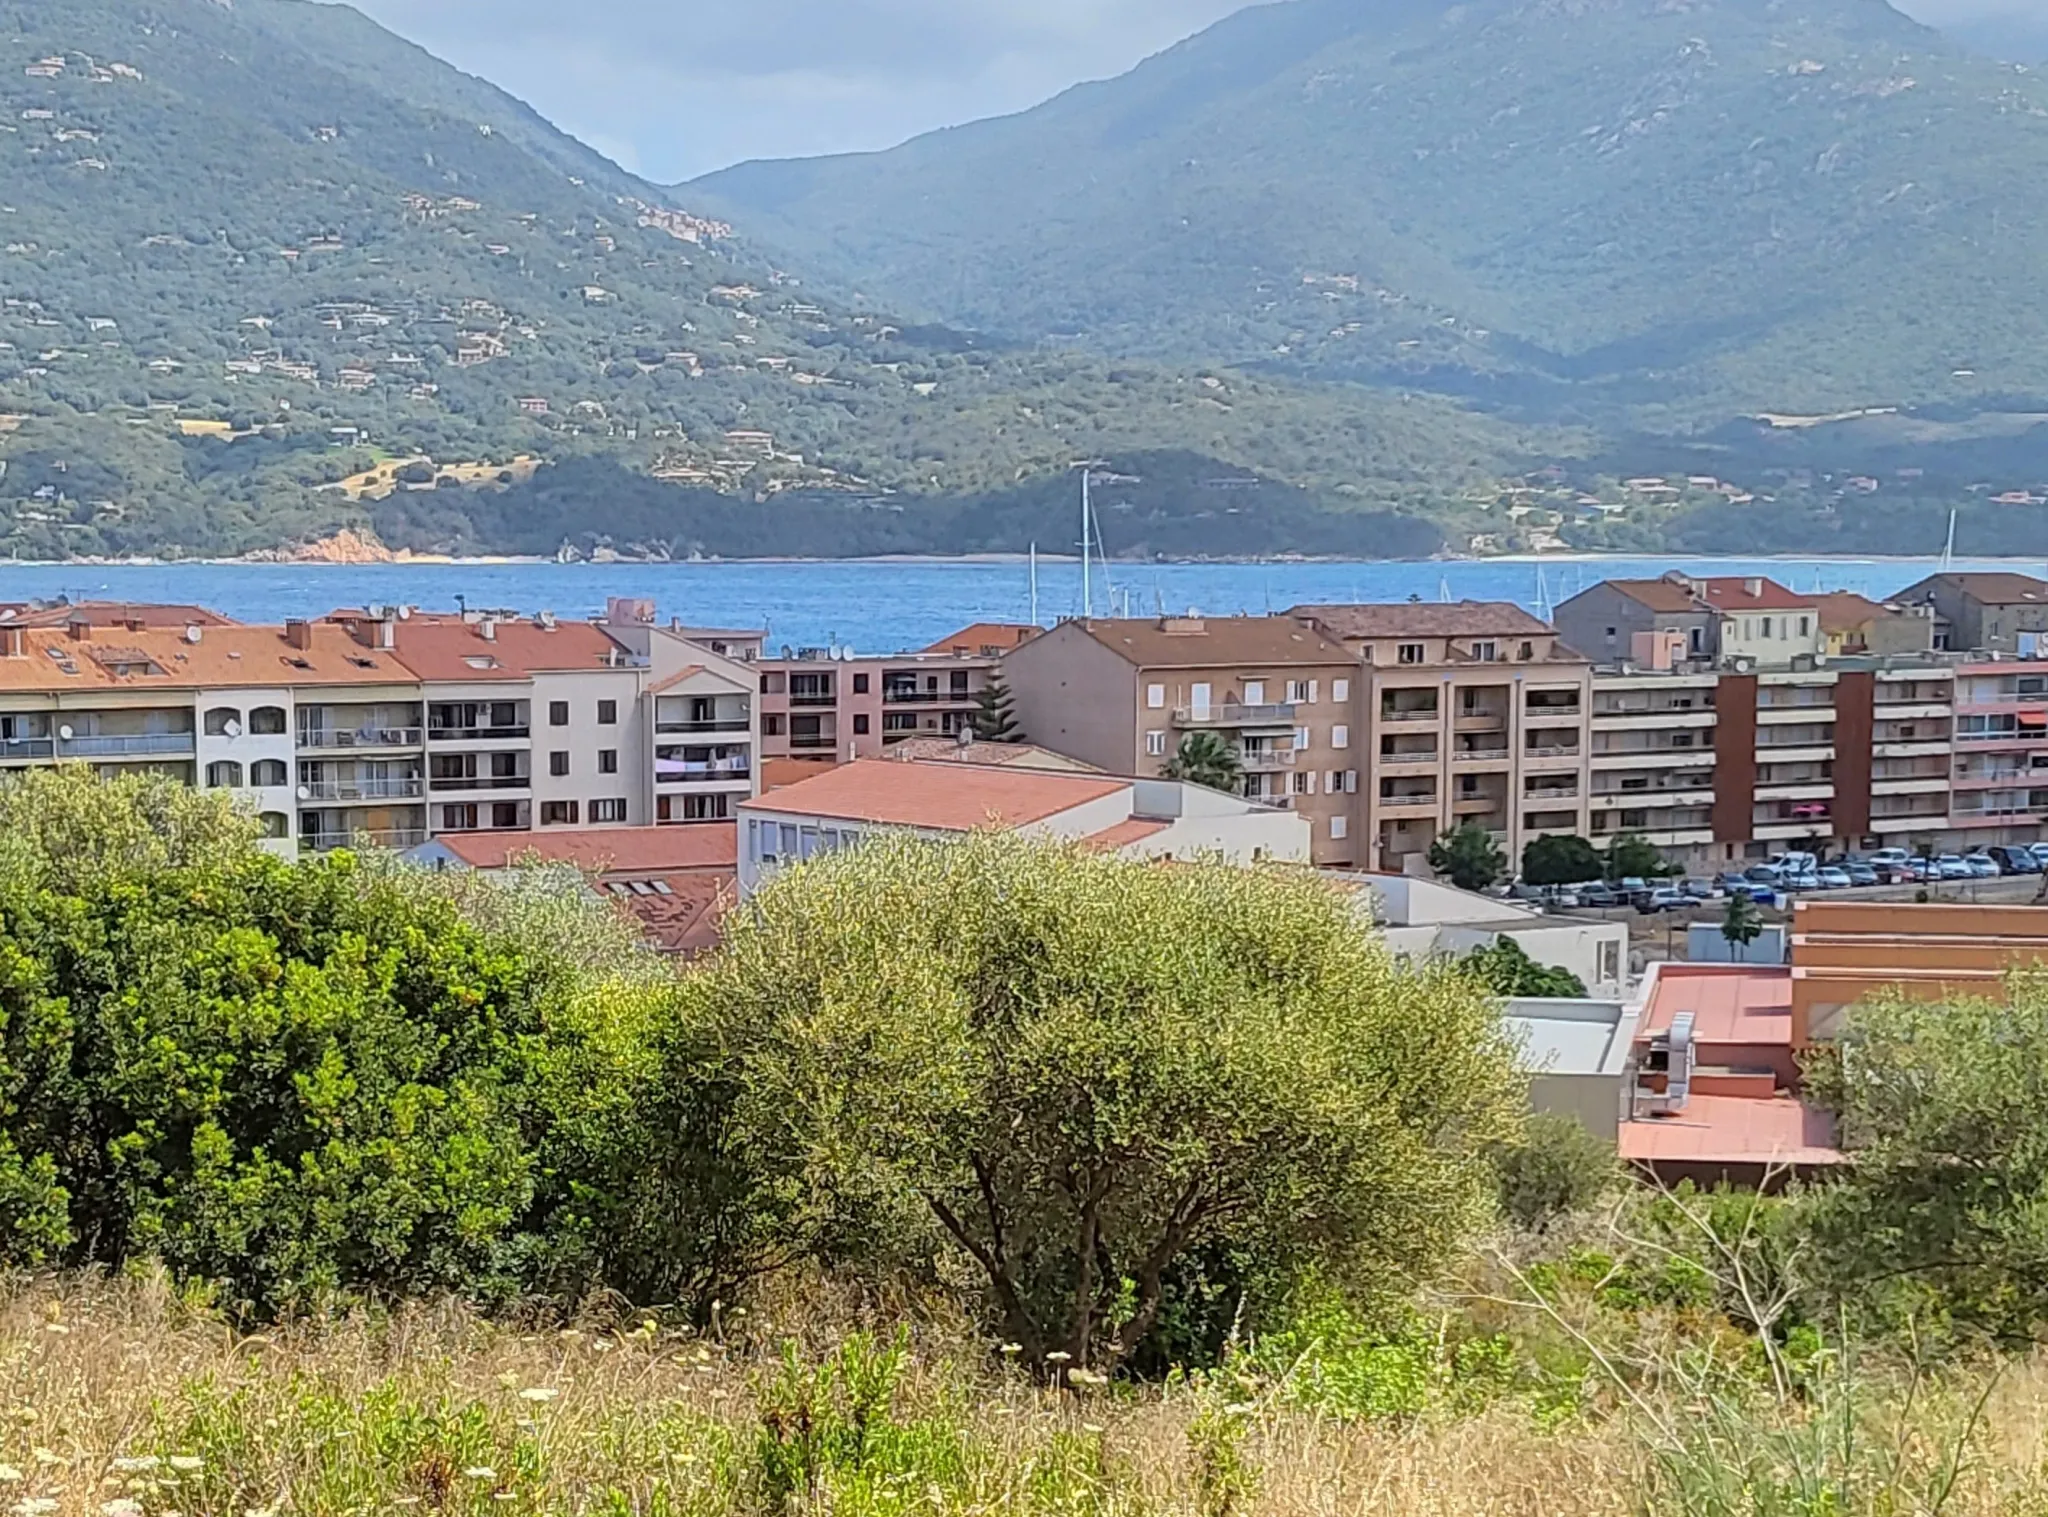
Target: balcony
x=483 y=782
x=130 y=745
x=23 y=749
x=1653 y=758
x=1408 y=802
x=1480 y=805
x=1234 y=716
x=813 y=743
x=1782 y=715
x=338 y=740
x=1543 y=797
x=1409 y=716
x=735 y=724
x=1404 y=762
x=479 y=734
x=1265 y=760
x=1911 y=708
x=363 y=790
x=389 y=837
x=1481 y=721
x=699 y=771
x=1653 y=721
x=1497 y=753
x=926 y=697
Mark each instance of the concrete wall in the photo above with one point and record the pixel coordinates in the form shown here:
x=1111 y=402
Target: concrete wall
x=1772 y=637
x=1278 y=836
x=1074 y=696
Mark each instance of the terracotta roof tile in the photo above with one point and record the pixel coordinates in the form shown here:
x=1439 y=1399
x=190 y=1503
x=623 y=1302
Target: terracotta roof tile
x=1123 y=834
x=453 y=651
x=1465 y=618
x=945 y=750
x=1207 y=642
x=225 y=657
x=1994 y=588
x=1735 y=595
x=1667 y=596
x=941 y=797
x=604 y=849
x=110 y=614
x=1845 y=611
x=984 y=637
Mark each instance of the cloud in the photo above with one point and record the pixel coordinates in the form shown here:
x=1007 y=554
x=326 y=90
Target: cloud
x=675 y=88
x=681 y=87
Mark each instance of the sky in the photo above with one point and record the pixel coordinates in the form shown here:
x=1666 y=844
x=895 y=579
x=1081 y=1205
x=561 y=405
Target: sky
x=675 y=88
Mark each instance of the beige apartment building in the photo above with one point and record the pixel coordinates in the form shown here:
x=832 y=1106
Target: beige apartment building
x=1122 y=695
x=1471 y=713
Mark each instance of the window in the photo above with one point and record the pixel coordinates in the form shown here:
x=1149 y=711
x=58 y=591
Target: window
x=275 y=824
x=1610 y=962
x=505 y=815
x=1155 y=697
x=860 y=724
x=1485 y=653
x=458 y=818
x=607 y=761
x=1301 y=739
x=220 y=719
x=771 y=726
x=1199 y=699
x=267 y=721
x=1155 y=744
x=269 y=772
x=224 y=775
x=1302 y=782
x=1526 y=652
x=558 y=764
x=1297 y=692
x=608 y=811
x=1410 y=653
x=1312 y=697
x=558 y=813
x=558 y=713
x=1340 y=828
x=1340 y=690
x=607 y=713
x=707 y=808
x=1804 y=625
x=1340 y=737
x=1255 y=692
x=860 y=684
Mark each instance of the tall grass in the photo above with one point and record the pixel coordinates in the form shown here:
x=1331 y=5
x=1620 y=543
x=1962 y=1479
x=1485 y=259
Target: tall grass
x=120 y=1400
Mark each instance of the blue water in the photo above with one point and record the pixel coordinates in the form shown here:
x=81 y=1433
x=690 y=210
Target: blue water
x=883 y=607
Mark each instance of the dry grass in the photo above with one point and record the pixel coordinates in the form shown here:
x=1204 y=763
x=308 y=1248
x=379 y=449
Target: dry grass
x=118 y=1399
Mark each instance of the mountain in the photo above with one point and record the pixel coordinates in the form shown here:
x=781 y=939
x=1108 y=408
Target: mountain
x=267 y=270
x=1656 y=214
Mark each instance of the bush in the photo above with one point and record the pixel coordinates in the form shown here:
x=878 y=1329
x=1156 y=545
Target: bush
x=294 y=1080
x=1558 y=1169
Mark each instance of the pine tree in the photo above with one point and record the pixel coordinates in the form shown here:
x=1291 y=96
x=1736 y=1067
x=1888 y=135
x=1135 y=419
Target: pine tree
x=995 y=714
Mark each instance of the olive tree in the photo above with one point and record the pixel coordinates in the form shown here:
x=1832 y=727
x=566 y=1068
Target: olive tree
x=1068 y=1071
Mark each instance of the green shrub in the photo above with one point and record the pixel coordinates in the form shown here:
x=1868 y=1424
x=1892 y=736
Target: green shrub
x=1557 y=1169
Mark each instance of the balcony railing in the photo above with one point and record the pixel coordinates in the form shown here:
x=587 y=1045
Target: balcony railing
x=388 y=837
x=813 y=698
x=478 y=734
x=1408 y=803
x=364 y=790
x=19 y=748
x=1551 y=752
x=681 y=771
x=132 y=745
x=1407 y=715
x=484 y=782
x=926 y=697
x=336 y=739
x=1478 y=755
x=716 y=724
x=1228 y=715
x=815 y=744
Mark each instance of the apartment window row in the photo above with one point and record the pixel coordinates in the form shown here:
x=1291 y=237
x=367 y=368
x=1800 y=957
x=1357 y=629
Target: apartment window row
x=607 y=713
x=227 y=721
x=607 y=762
x=1307 y=692
x=693 y=808
x=1780 y=626
x=569 y=813
x=264 y=774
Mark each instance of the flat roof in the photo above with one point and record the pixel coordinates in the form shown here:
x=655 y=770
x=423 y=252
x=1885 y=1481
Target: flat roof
x=1733 y=1130
x=1730 y=1003
x=630 y=850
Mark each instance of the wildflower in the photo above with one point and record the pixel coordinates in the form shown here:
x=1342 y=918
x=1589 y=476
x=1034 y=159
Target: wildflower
x=135 y=1466
x=539 y=1393
x=1092 y=1427
x=186 y=1464
x=1086 y=1377
x=9 y=1475
x=481 y=1472
x=1013 y=1349
x=1058 y=1356
x=124 y=1507
x=35 y=1506
x=48 y=1456
x=56 y=1327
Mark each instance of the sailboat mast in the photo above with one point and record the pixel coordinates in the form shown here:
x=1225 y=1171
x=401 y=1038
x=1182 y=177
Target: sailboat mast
x=1948 y=553
x=1034 y=584
x=1087 y=577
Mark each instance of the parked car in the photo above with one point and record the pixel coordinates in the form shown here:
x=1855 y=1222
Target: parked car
x=1950 y=866
x=2040 y=853
x=1599 y=897
x=1664 y=898
x=1982 y=866
x=1740 y=884
x=1894 y=858
x=1834 y=877
x=1698 y=890
x=1861 y=873
x=1565 y=897
x=1807 y=881
x=1763 y=874
x=2014 y=860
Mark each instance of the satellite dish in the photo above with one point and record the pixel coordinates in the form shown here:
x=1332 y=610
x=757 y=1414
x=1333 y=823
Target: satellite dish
x=193 y=634
x=305 y=792
x=232 y=728
x=65 y=733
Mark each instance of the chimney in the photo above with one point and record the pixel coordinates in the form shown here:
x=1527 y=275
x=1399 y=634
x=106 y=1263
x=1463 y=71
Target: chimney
x=487 y=630
x=299 y=633
x=386 y=636
x=1753 y=587
x=134 y=623
x=13 y=642
x=79 y=629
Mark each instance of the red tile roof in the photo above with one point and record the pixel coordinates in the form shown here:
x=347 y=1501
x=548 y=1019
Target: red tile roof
x=946 y=750
x=941 y=797
x=984 y=637
x=1465 y=618
x=1197 y=642
x=1659 y=595
x=680 y=913
x=111 y=614
x=453 y=652
x=606 y=850
x=1123 y=834
x=1730 y=1003
x=1845 y=611
x=225 y=657
x=1733 y=1130
x=1993 y=588
x=1734 y=595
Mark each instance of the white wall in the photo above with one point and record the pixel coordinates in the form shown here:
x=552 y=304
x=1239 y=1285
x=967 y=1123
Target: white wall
x=1279 y=836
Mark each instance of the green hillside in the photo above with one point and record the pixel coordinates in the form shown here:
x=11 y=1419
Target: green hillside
x=1632 y=210
x=248 y=251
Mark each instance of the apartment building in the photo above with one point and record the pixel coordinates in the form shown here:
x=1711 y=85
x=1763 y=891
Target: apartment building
x=1984 y=613
x=700 y=734
x=828 y=704
x=1853 y=625
x=223 y=707
x=1733 y=620
x=1474 y=712
x=1133 y=818
x=1999 y=785
x=1122 y=695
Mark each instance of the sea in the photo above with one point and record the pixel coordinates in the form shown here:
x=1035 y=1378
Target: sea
x=889 y=605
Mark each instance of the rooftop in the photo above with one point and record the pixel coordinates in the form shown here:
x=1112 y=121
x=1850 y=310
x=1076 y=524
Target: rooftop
x=1197 y=642
x=1730 y=1003
x=1746 y=1130
x=1735 y=596
x=224 y=657
x=110 y=614
x=1465 y=618
x=1993 y=588
x=603 y=850
x=985 y=638
x=945 y=750
x=1845 y=611
x=1671 y=596
x=942 y=797
x=449 y=650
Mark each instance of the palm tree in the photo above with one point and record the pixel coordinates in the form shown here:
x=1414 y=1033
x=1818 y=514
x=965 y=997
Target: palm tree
x=1209 y=759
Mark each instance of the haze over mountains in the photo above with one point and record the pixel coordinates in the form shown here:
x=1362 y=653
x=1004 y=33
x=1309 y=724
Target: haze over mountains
x=1672 y=210
x=1322 y=262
